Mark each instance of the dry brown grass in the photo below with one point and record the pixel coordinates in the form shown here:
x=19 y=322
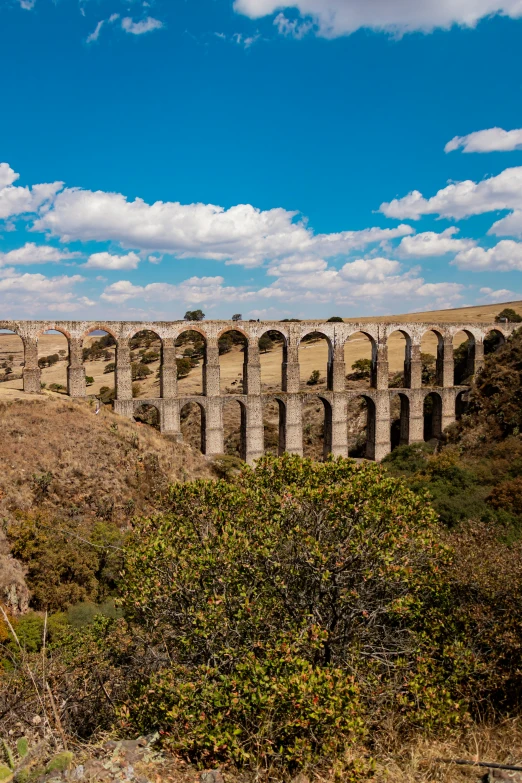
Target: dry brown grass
x=96 y=461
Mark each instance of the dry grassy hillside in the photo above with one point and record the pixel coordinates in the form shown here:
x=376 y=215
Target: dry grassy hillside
x=61 y=460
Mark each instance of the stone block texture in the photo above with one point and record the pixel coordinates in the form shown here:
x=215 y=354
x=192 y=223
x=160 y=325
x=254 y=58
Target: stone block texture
x=291 y=399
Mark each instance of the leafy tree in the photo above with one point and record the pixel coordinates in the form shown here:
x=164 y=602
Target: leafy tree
x=140 y=371
x=336 y=319
x=150 y=356
x=107 y=394
x=314 y=378
x=89 y=380
x=109 y=368
x=237 y=317
x=362 y=368
x=183 y=367
x=265 y=343
x=194 y=315
x=428 y=365
x=225 y=343
x=508 y=314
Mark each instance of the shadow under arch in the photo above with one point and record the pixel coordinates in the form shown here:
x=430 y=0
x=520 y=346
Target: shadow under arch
x=493 y=340
x=432 y=412
x=432 y=369
x=274 y=424
x=327 y=427
x=234 y=427
x=270 y=342
x=399 y=420
x=149 y=414
x=365 y=443
x=356 y=357
x=463 y=356
x=193 y=418
x=461 y=404
x=401 y=374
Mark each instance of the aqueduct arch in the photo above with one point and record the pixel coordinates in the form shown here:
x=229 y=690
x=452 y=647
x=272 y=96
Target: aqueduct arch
x=334 y=398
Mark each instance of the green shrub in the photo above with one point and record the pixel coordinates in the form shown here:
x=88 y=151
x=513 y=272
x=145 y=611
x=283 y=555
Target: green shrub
x=60 y=572
x=361 y=369
x=286 y=610
x=139 y=371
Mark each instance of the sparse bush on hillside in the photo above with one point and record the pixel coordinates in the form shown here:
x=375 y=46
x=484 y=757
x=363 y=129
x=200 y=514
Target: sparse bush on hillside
x=140 y=371
x=314 y=378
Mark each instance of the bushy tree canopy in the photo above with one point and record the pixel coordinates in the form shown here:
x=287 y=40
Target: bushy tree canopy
x=266 y=599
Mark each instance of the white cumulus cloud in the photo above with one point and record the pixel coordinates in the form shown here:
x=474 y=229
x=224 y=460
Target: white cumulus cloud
x=461 y=199
x=109 y=261
x=31 y=253
x=369 y=269
x=342 y=17
x=505 y=256
x=500 y=295
x=239 y=235
x=490 y=140
x=16 y=200
x=26 y=294
x=431 y=243
x=7 y=175
x=195 y=290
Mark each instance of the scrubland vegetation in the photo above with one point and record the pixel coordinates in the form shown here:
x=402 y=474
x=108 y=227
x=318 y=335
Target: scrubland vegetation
x=351 y=621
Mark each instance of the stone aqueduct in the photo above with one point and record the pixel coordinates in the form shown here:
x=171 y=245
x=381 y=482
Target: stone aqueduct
x=290 y=399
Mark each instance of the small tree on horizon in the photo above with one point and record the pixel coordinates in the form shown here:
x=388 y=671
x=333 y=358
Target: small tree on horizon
x=194 y=315
x=510 y=315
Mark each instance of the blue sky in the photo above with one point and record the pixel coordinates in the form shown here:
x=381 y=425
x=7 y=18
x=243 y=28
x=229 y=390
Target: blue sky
x=348 y=157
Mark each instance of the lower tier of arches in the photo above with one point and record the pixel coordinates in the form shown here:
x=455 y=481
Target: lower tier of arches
x=393 y=417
